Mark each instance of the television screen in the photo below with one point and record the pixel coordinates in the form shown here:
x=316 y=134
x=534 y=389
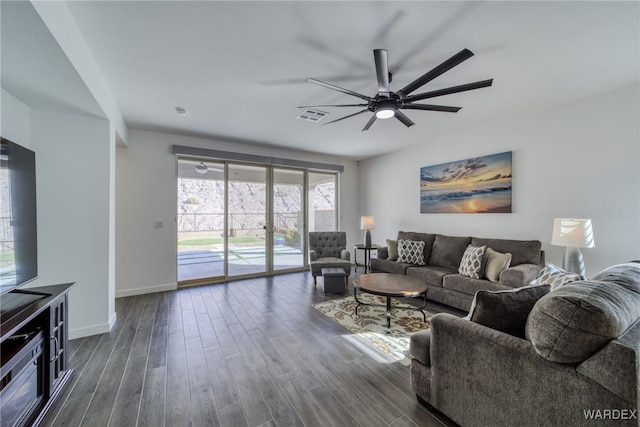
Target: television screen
x=18 y=219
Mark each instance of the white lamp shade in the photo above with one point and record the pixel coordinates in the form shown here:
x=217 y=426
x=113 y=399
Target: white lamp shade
x=367 y=223
x=572 y=232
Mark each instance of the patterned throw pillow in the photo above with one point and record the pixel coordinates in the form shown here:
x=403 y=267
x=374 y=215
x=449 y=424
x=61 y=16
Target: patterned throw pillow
x=471 y=264
x=555 y=276
x=411 y=252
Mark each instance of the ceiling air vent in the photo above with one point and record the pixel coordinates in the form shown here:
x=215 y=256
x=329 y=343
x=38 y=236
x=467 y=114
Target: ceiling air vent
x=312 y=115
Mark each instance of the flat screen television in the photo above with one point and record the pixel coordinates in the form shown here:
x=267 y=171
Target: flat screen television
x=18 y=218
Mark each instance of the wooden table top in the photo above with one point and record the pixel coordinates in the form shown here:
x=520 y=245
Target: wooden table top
x=391 y=285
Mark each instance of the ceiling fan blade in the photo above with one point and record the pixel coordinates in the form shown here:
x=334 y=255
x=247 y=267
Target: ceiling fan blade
x=369 y=123
x=338 y=105
x=382 y=71
x=428 y=107
x=449 y=90
x=403 y=118
x=338 y=88
x=456 y=59
x=301 y=80
x=346 y=117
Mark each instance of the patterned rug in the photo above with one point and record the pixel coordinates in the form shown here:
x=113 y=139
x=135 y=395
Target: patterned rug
x=369 y=325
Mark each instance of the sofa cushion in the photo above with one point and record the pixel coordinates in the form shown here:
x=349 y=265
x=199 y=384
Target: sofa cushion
x=506 y=311
x=627 y=275
x=433 y=276
x=555 y=276
x=522 y=251
x=496 y=263
x=411 y=251
x=382 y=253
x=577 y=319
x=422 y=237
x=447 y=251
x=472 y=261
x=467 y=285
x=392 y=250
x=389 y=266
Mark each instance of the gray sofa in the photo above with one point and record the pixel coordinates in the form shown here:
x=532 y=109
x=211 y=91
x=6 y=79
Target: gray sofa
x=577 y=364
x=443 y=254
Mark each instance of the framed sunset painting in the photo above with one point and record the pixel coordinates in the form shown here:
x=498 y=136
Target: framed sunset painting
x=476 y=185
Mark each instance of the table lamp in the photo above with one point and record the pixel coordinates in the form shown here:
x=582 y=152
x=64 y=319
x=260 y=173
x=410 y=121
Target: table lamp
x=367 y=223
x=573 y=234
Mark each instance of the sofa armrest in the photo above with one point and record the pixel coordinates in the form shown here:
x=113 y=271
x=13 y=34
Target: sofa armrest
x=383 y=252
x=480 y=376
x=446 y=327
x=313 y=255
x=345 y=254
x=420 y=346
x=473 y=367
x=519 y=275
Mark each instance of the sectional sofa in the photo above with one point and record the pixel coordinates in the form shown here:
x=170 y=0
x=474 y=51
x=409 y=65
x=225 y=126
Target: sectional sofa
x=537 y=357
x=442 y=256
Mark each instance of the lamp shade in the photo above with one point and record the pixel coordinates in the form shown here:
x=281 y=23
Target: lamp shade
x=573 y=233
x=367 y=222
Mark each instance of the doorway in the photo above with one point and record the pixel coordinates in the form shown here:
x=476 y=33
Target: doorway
x=245 y=220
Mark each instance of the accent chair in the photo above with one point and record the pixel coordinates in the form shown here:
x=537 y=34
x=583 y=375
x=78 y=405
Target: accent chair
x=328 y=249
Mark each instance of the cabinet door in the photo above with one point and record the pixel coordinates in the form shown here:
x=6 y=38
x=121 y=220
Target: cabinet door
x=58 y=336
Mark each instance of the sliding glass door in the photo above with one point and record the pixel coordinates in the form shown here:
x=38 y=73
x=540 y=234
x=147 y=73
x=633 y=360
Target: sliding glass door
x=288 y=219
x=247 y=220
x=323 y=214
x=201 y=220
x=243 y=220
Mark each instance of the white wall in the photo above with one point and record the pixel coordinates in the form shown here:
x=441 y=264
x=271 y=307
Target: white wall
x=146 y=192
x=73 y=178
x=63 y=28
x=15 y=120
x=578 y=160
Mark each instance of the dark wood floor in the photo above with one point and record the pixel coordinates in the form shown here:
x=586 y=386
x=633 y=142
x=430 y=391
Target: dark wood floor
x=245 y=353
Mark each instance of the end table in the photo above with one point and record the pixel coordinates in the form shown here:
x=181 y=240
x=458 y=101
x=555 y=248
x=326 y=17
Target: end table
x=367 y=255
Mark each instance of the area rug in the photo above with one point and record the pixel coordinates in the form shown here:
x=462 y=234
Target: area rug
x=369 y=325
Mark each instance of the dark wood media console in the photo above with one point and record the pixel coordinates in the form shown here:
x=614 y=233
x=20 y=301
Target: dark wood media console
x=34 y=345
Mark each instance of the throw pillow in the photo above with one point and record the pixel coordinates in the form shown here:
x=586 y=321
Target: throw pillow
x=506 y=311
x=472 y=259
x=392 y=249
x=411 y=252
x=555 y=276
x=496 y=264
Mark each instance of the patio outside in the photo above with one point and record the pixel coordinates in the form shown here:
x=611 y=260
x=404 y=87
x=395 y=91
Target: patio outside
x=201 y=219
x=201 y=253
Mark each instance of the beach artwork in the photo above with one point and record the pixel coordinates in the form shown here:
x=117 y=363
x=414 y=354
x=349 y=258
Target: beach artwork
x=477 y=185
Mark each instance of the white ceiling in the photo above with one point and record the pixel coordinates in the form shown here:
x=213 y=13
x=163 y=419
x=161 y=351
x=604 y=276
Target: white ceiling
x=239 y=67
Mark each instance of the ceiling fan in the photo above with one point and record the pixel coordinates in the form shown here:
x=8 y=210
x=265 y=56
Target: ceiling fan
x=386 y=104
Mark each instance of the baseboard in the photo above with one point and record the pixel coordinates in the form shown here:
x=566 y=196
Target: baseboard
x=146 y=290
x=101 y=328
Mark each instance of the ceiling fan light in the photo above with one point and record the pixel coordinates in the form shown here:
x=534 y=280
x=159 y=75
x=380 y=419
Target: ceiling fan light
x=385 y=113
x=201 y=168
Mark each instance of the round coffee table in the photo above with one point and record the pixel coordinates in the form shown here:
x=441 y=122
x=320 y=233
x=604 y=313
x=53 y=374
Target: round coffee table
x=390 y=286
